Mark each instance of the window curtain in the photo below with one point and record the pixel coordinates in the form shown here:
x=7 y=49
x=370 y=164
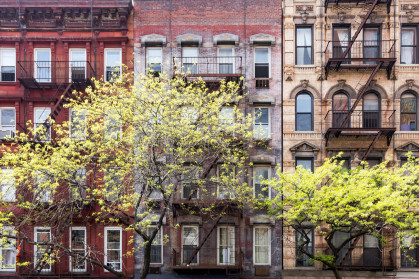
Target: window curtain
x=261 y=245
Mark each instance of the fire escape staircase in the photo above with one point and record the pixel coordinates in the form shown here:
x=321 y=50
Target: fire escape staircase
x=336 y=64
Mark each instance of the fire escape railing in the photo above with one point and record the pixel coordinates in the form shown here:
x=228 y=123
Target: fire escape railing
x=214 y=66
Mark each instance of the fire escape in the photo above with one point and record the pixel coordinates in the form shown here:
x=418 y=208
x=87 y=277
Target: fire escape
x=366 y=56
x=55 y=80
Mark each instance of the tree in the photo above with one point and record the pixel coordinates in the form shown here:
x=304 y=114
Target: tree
x=121 y=160
x=343 y=205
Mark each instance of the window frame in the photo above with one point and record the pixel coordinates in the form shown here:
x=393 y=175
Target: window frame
x=379 y=42
x=7 y=185
x=35 y=51
x=71 y=110
x=196 y=176
x=269 y=61
x=232 y=58
x=305 y=158
x=311 y=113
x=190 y=60
x=11 y=247
x=106 y=177
x=160 y=236
x=313 y=235
x=183 y=243
x=416 y=26
x=261 y=166
x=1 y=63
x=148 y=68
x=268 y=125
x=334 y=39
x=106 y=248
x=415 y=113
x=269 y=244
x=231 y=195
x=38 y=124
x=35 y=262
x=85 y=249
x=311 y=45
x=3 y=128
x=219 y=243
x=70 y=61
x=47 y=194
x=106 y=62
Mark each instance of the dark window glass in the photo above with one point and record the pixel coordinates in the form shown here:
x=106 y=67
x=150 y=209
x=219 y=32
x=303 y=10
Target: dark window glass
x=372 y=252
x=261 y=188
x=340 y=109
x=371 y=111
x=304 y=112
x=306 y=163
x=410 y=253
x=304 y=46
x=409 y=45
x=301 y=245
x=341 y=37
x=262 y=62
x=408 y=115
x=373 y=161
x=371 y=43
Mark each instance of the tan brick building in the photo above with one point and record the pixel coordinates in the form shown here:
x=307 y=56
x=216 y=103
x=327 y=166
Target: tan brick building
x=350 y=69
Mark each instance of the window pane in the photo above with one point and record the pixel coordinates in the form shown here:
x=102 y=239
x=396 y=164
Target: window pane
x=113 y=58
x=154 y=55
x=304 y=103
x=262 y=70
x=304 y=122
x=227 y=116
x=8 y=58
x=8 y=117
x=225 y=51
x=371 y=102
x=303 y=259
x=304 y=36
x=306 y=164
x=261 y=55
x=340 y=102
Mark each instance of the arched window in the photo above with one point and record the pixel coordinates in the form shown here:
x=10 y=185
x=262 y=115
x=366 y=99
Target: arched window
x=304 y=112
x=371 y=114
x=408 y=111
x=340 y=106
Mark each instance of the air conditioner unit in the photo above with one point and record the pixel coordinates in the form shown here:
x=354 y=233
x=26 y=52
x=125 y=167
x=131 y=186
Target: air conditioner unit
x=6 y=134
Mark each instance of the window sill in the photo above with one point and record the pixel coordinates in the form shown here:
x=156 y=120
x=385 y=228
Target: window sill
x=8 y=83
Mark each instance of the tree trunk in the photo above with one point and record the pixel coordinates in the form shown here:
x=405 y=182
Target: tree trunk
x=147 y=256
x=336 y=273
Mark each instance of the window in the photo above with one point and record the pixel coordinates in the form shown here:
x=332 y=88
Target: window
x=155 y=191
x=8 y=188
x=341 y=106
x=190 y=240
x=190 y=60
x=42 y=249
x=43 y=185
x=338 y=238
x=42 y=65
x=78 y=124
x=262 y=60
x=305 y=163
x=113 y=125
x=226 y=176
x=372 y=251
x=262 y=125
x=346 y=162
x=78 y=192
x=77 y=64
x=156 y=255
x=113 y=184
x=226 y=245
x=304 y=45
x=304 y=242
x=373 y=161
x=227 y=117
x=113 y=64
x=154 y=60
x=8 y=122
x=42 y=128
x=371 y=43
x=113 y=248
x=189 y=183
x=408 y=112
x=8 y=64
x=371 y=113
x=78 y=246
x=262 y=245
x=261 y=189
x=409 y=41
x=341 y=38
x=8 y=250
x=304 y=112
x=225 y=60
x=410 y=253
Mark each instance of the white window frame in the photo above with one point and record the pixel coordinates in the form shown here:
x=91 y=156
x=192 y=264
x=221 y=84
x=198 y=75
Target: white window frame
x=254 y=178
x=39 y=124
x=221 y=166
x=190 y=59
x=269 y=60
x=269 y=122
x=220 y=57
x=11 y=246
x=45 y=196
x=269 y=244
x=233 y=244
x=71 y=124
x=114 y=177
x=161 y=57
x=106 y=61
x=36 y=68
x=85 y=248
x=35 y=262
x=1 y=62
x=8 y=128
x=107 y=123
x=160 y=236
x=182 y=241
x=106 y=248
x=71 y=50
x=13 y=185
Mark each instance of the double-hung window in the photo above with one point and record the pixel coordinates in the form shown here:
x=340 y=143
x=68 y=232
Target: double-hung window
x=77 y=64
x=304 y=243
x=78 y=124
x=113 y=184
x=154 y=60
x=7 y=122
x=43 y=185
x=409 y=253
x=262 y=245
x=42 y=251
x=78 y=192
x=113 y=125
x=113 y=248
x=8 y=250
x=226 y=177
x=8 y=188
x=156 y=255
x=42 y=65
x=190 y=240
x=78 y=248
x=190 y=183
x=226 y=245
x=262 y=190
x=8 y=64
x=42 y=129
x=262 y=125
x=227 y=118
x=409 y=42
x=225 y=60
x=304 y=112
x=304 y=45
x=305 y=162
x=190 y=60
x=113 y=63
x=262 y=62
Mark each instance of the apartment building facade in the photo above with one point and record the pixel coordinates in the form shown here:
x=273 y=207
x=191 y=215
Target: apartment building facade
x=350 y=72
x=48 y=49
x=219 y=40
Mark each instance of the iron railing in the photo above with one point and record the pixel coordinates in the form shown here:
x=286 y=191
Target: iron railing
x=208 y=66
x=361 y=119
x=214 y=258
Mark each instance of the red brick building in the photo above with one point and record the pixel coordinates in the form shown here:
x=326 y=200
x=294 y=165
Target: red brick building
x=47 y=49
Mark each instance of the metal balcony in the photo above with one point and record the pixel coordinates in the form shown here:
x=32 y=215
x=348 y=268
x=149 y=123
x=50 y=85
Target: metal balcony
x=209 y=68
x=52 y=74
x=363 y=55
x=356 y=2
